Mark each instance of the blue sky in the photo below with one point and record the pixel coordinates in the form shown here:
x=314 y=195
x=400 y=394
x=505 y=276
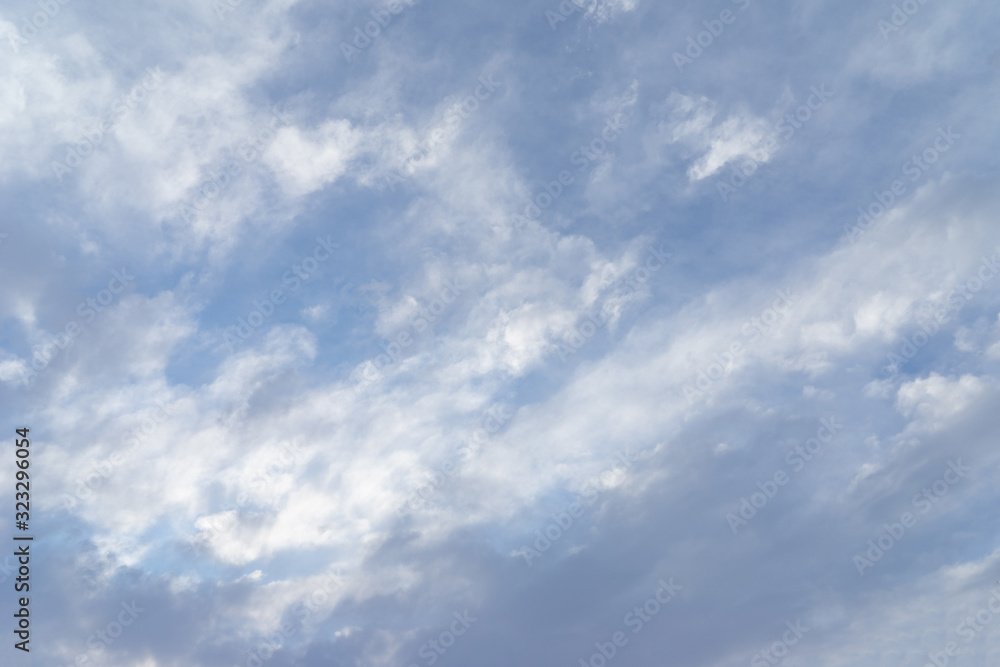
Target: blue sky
x=538 y=334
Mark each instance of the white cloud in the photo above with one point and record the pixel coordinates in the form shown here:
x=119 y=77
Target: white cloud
x=695 y=123
x=306 y=162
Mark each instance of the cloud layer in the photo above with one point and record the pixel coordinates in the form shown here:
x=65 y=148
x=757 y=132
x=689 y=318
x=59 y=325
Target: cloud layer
x=405 y=334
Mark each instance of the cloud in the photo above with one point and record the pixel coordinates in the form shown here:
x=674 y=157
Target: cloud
x=304 y=165
x=461 y=382
x=936 y=397
x=696 y=124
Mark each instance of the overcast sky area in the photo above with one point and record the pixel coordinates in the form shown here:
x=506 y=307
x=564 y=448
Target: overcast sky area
x=389 y=334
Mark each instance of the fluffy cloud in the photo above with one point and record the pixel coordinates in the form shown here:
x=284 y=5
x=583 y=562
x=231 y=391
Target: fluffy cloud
x=309 y=461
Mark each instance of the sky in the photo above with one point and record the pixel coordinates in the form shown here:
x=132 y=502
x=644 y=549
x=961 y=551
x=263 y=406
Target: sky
x=596 y=332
